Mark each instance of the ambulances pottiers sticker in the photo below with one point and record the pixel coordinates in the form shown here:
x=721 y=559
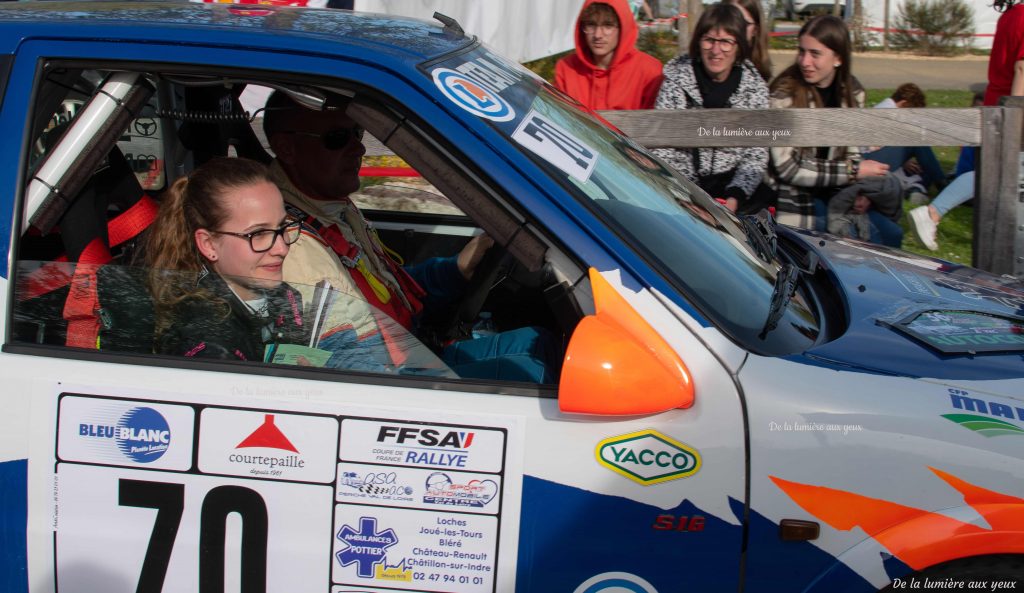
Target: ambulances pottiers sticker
x=648 y=457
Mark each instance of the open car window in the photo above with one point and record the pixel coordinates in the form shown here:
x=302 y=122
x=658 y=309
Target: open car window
x=165 y=124
x=342 y=330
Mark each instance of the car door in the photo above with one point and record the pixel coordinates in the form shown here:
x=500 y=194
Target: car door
x=152 y=473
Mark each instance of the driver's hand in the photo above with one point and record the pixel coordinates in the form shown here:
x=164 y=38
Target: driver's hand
x=472 y=253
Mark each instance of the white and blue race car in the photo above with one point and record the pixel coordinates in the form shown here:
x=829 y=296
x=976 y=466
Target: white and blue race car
x=740 y=406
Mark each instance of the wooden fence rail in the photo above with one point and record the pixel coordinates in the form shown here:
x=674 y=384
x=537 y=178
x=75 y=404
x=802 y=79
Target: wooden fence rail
x=999 y=210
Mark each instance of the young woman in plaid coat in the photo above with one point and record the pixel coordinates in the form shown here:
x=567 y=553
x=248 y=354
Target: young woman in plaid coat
x=806 y=177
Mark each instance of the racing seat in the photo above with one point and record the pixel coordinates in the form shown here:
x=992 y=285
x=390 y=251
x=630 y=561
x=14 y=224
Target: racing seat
x=214 y=121
x=80 y=297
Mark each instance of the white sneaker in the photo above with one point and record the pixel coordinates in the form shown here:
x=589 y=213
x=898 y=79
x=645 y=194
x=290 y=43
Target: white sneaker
x=924 y=227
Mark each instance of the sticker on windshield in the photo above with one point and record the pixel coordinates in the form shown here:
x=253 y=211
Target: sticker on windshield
x=473 y=96
x=959 y=332
x=556 y=146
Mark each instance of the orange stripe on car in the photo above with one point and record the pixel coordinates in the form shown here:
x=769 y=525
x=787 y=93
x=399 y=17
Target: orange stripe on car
x=919 y=538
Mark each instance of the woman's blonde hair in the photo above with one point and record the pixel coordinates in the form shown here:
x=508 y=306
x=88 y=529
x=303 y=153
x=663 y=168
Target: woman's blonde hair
x=191 y=203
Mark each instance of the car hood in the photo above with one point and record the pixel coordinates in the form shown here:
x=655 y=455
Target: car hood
x=886 y=290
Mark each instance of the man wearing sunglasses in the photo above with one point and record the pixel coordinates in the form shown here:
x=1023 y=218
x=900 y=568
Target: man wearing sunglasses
x=317 y=167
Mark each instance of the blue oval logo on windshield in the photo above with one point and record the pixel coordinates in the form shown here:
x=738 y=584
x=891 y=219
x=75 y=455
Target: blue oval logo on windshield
x=472 y=96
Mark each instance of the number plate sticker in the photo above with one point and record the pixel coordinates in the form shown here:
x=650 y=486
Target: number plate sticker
x=557 y=146
x=121 y=530
x=159 y=495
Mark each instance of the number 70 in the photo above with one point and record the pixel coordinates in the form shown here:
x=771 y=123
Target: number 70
x=169 y=502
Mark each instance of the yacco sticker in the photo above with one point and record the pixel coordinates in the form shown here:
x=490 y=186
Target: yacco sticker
x=419 y=488
x=264 y=445
x=410 y=549
x=472 y=96
x=118 y=432
x=422 y=445
x=555 y=145
x=615 y=582
x=648 y=457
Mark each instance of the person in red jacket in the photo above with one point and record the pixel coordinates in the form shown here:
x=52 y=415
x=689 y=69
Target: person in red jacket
x=608 y=71
x=1006 y=61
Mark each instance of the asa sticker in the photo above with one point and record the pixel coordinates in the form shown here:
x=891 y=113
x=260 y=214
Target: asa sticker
x=648 y=457
x=472 y=96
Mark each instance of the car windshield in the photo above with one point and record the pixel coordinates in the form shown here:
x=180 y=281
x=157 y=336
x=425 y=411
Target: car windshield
x=716 y=261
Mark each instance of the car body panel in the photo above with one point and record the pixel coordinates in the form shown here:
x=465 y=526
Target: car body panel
x=868 y=419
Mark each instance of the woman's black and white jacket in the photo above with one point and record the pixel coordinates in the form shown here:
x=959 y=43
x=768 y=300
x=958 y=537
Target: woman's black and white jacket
x=681 y=91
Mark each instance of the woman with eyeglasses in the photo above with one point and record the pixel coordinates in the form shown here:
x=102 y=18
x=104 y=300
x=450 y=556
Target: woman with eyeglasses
x=717 y=74
x=215 y=255
x=806 y=178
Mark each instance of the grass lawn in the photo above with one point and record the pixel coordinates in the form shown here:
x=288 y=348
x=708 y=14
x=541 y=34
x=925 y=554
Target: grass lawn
x=956 y=230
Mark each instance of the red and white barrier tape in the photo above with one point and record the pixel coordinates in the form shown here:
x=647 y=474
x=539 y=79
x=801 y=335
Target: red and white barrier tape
x=662 y=21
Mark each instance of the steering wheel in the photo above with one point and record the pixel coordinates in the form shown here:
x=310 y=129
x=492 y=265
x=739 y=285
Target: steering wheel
x=484 y=278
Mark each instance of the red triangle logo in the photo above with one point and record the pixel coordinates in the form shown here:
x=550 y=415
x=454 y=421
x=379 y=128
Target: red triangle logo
x=268 y=436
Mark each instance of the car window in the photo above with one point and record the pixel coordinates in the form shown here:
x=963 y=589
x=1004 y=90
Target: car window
x=83 y=281
x=343 y=330
x=704 y=250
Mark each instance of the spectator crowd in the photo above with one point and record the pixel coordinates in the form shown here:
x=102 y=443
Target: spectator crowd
x=846 y=190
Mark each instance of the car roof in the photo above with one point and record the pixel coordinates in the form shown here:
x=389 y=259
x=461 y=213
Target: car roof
x=252 y=25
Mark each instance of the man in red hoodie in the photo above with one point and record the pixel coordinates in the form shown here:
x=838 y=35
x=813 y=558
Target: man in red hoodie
x=608 y=71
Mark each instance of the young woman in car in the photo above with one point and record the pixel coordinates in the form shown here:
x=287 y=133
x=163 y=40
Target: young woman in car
x=717 y=73
x=806 y=177
x=215 y=255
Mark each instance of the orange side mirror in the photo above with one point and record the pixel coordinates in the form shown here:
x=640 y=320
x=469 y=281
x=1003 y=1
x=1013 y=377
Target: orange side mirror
x=617 y=365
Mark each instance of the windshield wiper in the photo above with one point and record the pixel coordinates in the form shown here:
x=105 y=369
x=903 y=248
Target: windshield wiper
x=785 y=288
x=760 y=230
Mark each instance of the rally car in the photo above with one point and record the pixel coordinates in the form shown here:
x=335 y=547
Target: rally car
x=740 y=406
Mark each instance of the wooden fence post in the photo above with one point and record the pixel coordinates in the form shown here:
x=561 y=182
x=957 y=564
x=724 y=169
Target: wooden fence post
x=997 y=217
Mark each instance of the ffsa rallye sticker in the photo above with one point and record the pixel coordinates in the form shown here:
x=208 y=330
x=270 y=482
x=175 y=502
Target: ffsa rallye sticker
x=422 y=445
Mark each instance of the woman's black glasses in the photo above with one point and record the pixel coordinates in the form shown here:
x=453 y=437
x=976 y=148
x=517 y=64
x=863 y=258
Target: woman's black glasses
x=263 y=239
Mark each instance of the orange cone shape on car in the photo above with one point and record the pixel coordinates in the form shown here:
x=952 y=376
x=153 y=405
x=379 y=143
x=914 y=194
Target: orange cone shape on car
x=617 y=364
